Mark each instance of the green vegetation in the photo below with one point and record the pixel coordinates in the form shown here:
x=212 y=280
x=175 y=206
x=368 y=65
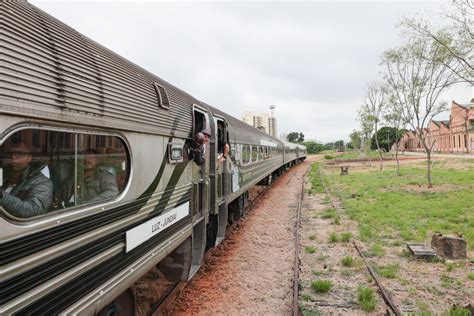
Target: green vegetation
x=378 y=250
x=329 y=213
x=470 y=276
x=321 y=286
x=316 y=186
x=449 y=266
x=389 y=271
x=347 y=261
x=310 y=249
x=312 y=237
x=345 y=237
x=333 y=238
x=458 y=311
x=366 y=298
x=347 y=273
x=388 y=206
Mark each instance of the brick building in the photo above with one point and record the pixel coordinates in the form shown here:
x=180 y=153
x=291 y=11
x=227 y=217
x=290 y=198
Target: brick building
x=453 y=136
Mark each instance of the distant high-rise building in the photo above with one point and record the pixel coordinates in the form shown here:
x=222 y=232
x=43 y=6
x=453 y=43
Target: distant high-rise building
x=283 y=136
x=262 y=121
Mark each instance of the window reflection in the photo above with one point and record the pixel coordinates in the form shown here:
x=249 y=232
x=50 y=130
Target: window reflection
x=45 y=171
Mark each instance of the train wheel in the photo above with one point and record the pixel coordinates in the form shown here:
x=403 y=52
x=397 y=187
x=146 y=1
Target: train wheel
x=123 y=305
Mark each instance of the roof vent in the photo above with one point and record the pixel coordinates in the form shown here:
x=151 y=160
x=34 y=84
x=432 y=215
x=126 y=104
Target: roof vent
x=163 y=100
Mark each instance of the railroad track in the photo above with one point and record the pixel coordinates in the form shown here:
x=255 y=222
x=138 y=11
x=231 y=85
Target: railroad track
x=296 y=269
x=383 y=292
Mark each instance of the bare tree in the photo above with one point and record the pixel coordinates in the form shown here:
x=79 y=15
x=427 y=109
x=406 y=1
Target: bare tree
x=393 y=117
x=417 y=82
x=375 y=98
x=367 y=127
x=456 y=39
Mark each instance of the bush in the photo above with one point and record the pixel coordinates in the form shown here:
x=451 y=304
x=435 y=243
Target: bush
x=366 y=298
x=321 y=286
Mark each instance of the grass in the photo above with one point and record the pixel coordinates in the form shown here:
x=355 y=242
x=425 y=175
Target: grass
x=347 y=273
x=378 y=250
x=321 y=286
x=316 y=186
x=312 y=237
x=329 y=213
x=458 y=311
x=449 y=266
x=347 y=261
x=390 y=271
x=310 y=249
x=366 y=298
x=388 y=206
x=470 y=276
x=333 y=238
x=345 y=237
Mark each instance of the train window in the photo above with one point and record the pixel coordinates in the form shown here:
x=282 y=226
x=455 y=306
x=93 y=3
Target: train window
x=262 y=153
x=47 y=171
x=245 y=154
x=254 y=153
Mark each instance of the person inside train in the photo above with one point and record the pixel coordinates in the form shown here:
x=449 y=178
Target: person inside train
x=97 y=184
x=26 y=190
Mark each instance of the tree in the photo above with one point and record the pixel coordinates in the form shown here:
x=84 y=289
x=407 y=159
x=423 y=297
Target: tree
x=417 y=82
x=367 y=127
x=295 y=137
x=375 y=98
x=339 y=145
x=386 y=136
x=292 y=137
x=393 y=118
x=301 y=137
x=456 y=40
x=313 y=147
x=356 y=139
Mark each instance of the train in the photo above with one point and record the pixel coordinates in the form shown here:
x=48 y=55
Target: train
x=109 y=187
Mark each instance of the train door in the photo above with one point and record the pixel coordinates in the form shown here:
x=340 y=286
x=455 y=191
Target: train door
x=200 y=193
x=222 y=186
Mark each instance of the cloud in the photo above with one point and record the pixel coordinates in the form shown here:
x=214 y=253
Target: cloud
x=311 y=59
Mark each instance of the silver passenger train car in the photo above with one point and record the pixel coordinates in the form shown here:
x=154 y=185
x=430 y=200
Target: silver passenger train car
x=98 y=183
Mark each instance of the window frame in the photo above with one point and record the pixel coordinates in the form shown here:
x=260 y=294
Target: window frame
x=77 y=211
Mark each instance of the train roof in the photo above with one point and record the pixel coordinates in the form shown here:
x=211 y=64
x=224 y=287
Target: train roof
x=244 y=133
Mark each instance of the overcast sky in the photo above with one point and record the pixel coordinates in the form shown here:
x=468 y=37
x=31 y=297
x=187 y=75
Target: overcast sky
x=312 y=60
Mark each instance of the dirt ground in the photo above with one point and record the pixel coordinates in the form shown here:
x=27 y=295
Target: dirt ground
x=251 y=272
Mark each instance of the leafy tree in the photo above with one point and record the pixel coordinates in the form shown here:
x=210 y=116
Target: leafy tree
x=313 y=147
x=356 y=139
x=295 y=137
x=301 y=137
x=339 y=145
x=329 y=146
x=387 y=137
x=292 y=137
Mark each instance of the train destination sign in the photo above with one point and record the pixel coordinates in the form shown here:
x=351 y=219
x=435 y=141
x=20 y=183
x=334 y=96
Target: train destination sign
x=145 y=231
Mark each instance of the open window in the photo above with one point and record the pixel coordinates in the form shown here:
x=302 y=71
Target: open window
x=45 y=171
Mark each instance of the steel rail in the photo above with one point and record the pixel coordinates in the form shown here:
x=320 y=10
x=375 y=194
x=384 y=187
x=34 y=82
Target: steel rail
x=296 y=266
x=384 y=293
